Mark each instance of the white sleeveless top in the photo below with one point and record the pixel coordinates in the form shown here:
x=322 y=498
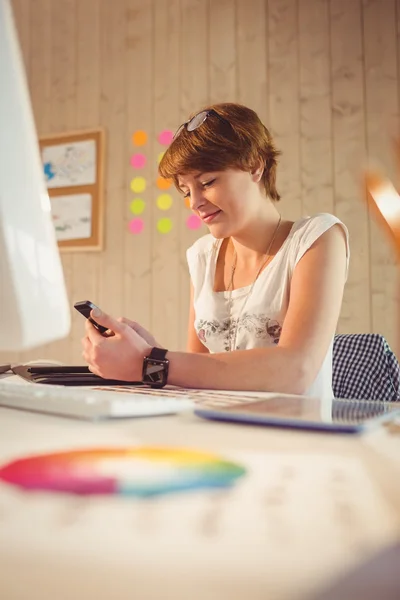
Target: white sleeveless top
x=257 y=318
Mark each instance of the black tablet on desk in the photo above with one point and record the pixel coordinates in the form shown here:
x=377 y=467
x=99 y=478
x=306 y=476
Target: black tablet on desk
x=64 y=375
x=301 y=412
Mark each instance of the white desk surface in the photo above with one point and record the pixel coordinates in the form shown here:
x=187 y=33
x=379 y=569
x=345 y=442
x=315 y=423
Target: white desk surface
x=275 y=536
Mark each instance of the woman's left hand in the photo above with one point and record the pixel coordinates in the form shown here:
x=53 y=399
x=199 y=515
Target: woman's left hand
x=119 y=356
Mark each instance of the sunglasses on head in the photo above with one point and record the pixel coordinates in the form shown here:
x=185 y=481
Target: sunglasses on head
x=198 y=120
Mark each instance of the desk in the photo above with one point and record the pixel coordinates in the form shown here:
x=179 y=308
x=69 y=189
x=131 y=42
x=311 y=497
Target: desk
x=63 y=548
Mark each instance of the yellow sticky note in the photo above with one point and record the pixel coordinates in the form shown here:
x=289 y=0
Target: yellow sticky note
x=164 y=201
x=138 y=185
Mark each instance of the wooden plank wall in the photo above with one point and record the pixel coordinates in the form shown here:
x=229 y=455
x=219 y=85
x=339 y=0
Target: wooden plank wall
x=322 y=74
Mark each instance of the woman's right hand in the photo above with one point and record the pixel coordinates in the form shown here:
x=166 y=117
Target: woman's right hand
x=146 y=335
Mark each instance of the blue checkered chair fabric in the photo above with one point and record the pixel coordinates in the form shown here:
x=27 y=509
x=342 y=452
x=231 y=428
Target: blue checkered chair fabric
x=364 y=367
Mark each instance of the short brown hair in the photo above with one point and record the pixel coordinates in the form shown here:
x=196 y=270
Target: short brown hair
x=216 y=146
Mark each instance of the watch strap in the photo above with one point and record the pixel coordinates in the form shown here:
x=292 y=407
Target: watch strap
x=158 y=353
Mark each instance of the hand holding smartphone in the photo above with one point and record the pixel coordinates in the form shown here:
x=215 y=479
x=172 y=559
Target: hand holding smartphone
x=85 y=307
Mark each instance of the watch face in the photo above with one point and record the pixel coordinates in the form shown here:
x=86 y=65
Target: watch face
x=155 y=372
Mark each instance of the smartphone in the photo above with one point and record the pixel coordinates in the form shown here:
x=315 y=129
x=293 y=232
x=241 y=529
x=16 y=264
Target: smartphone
x=84 y=307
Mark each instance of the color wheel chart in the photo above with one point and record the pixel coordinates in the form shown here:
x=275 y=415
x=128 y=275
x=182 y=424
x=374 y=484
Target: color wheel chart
x=138 y=186
x=137 y=471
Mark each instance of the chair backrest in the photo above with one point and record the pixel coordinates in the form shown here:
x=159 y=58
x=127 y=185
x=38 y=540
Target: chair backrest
x=365 y=367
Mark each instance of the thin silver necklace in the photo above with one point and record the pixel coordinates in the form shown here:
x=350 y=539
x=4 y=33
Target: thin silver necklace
x=232 y=333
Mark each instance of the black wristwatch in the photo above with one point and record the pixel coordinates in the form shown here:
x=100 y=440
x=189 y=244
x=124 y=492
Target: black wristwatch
x=155 y=368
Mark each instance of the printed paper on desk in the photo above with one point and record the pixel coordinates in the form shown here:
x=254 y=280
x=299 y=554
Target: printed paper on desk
x=280 y=513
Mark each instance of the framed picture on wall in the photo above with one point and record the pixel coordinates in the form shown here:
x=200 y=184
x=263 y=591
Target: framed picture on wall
x=73 y=165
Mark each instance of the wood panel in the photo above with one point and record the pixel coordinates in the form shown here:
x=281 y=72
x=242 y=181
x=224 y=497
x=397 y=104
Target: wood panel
x=284 y=114
x=315 y=108
x=397 y=158
x=194 y=95
x=113 y=109
x=139 y=81
x=381 y=94
x=22 y=13
x=322 y=74
x=349 y=154
x=252 y=56
x=86 y=265
x=40 y=64
x=222 y=51
x=63 y=111
x=166 y=114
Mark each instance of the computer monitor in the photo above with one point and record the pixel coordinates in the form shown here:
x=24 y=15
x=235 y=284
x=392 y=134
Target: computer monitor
x=34 y=308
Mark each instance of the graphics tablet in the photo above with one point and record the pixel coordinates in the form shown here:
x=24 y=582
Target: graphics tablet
x=302 y=412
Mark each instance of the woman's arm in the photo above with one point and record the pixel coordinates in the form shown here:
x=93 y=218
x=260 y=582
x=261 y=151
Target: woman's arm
x=315 y=300
x=193 y=342
x=291 y=366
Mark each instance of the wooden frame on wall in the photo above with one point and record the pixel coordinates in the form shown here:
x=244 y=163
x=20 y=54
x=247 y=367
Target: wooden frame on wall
x=73 y=164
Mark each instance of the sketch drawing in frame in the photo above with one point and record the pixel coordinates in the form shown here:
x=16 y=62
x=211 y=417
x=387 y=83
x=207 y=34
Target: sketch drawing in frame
x=73 y=165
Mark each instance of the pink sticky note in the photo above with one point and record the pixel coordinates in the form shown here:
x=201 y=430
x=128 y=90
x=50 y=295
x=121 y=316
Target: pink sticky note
x=138 y=161
x=136 y=225
x=165 y=137
x=193 y=222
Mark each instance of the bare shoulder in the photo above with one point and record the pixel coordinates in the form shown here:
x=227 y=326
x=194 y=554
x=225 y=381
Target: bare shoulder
x=334 y=237
x=323 y=235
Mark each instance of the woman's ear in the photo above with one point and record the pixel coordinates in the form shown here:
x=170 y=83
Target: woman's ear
x=257 y=172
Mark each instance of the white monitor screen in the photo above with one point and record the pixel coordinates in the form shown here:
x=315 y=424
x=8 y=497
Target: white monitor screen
x=34 y=308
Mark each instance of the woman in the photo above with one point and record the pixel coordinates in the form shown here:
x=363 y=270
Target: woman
x=265 y=292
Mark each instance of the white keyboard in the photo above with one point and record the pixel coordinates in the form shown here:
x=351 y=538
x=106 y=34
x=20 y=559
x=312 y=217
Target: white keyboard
x=89 y=403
